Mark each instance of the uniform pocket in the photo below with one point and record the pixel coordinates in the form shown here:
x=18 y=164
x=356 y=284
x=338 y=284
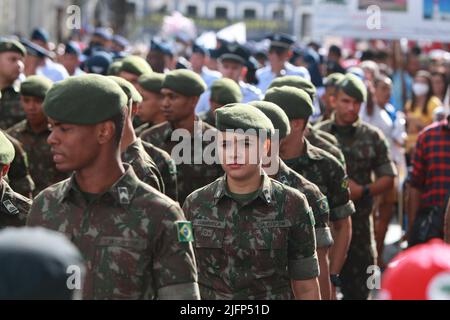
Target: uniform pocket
x=271 y=234
x=209 y=233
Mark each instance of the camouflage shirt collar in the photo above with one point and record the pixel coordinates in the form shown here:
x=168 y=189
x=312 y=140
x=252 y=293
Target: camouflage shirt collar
x=6 y=194
x=122 y=191
x=132 y=151
x=350 y=129
x=283 y=172
x=199 y=129
x=265 y=191
x=311 y=152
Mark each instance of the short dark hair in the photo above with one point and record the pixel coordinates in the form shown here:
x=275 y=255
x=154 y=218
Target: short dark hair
x=119 y=124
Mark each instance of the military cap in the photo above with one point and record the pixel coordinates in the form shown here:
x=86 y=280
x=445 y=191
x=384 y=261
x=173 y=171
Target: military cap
x=185 y=82
x=73 y=48
x=276 y=115
x=160 y=46
x=152 y=82
x=296 y=103
x=214 y=53
x=114 y=68
x=128 y=88
x=35 y=86
x=297 y=82
x=99 y=63
x=103 y=33
x=36 y=50
x=357 y=71
x=353 y=86
x=333 y=79
x=196 y=48
x=242 y=116
x=40 y=35
x=9 y=45
x=135 y=65
x=120 y=41
x=225 y=91
x=281 y=40
x=7 y=152
x=234 y=52
x=84 y=100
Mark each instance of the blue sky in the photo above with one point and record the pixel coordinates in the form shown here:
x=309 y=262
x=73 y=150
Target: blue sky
x=444 y=6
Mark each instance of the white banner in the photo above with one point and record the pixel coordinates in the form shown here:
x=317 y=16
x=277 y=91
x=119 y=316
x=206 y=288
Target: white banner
x=383 y=19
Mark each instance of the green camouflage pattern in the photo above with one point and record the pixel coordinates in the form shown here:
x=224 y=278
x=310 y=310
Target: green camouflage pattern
x=326 y=172
x=316 y=199
x=42 y=168
x=13 y=207
x=11 y=111
x=127 y=236
x=208 y=117
x=252 y=250
x=317 y=139
x=366 y=152
x=166 y=167
x=190 y=177
x=143 y=165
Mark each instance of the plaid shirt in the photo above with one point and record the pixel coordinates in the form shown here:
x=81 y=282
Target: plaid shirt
x=431 y=164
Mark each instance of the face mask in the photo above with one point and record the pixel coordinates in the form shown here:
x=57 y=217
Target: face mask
x=420 y=89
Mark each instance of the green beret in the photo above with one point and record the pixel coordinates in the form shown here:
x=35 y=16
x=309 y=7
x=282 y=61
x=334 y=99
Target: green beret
x=6 y=150
x=225 y=91
x=242 y=116
x=9 y=45
x=185 y=82
x=296 y=82
x=296 y=103
x=333 y=79
x=135 y=65
x=35 y=86
x=152 y=82
x=276 y=115
x=353 y=86
x=128 y=88
x=84 y=100
x=114 y=68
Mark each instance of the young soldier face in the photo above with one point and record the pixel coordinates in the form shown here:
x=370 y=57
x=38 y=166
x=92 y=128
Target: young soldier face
x=11 y=65
x=176 y=107
x=151 y=105
x=231 y=70
x=347 y=108
x=130 y=77
x=32 y=106
x=241 y=154
x=73 y=147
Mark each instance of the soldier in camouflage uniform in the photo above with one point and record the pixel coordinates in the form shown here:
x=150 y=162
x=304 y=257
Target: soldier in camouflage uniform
x=366 y=152
x=135 y=240
x=149 y=111
x=223 y=91
x=12 y=54
x=13 y=206
x=254 y=236
x=316 y=199
x=181 y=90
x=318 y=166
x=133 y=151
x=33 y=132
x=317 y=138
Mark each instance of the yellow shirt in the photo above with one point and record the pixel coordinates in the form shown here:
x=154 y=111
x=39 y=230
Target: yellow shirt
x=416 y=120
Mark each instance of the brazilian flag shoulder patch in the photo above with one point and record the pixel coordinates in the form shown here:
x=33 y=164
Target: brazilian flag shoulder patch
x=184 y=231
x=323 y=205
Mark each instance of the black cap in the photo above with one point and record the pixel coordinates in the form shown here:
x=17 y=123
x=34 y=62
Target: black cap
x=72 y=48
x=162 y=47
x=40 y=34
x=234 y=52
x=120 y=41
x=35 y=50
x=199 y=49
x=281 y=40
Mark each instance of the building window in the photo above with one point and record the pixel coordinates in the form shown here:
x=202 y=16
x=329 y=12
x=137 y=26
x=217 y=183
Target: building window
x=249 y=14
x=191 y=11
x=221 y=13
x=278 y=14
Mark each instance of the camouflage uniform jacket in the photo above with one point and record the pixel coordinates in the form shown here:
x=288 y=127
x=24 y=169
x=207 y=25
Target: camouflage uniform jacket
x=19 y=177
x=11 y=111
x=166 y=167
x=128 y=237
x=13 y=207
x=316 y=199
x=252 y=250
x=42 y=167
x=208 y=117
x=142 y=128
x=143 y=165
x=317 y=139
x=325 y=171
x=366 y=152
x=191 y=176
